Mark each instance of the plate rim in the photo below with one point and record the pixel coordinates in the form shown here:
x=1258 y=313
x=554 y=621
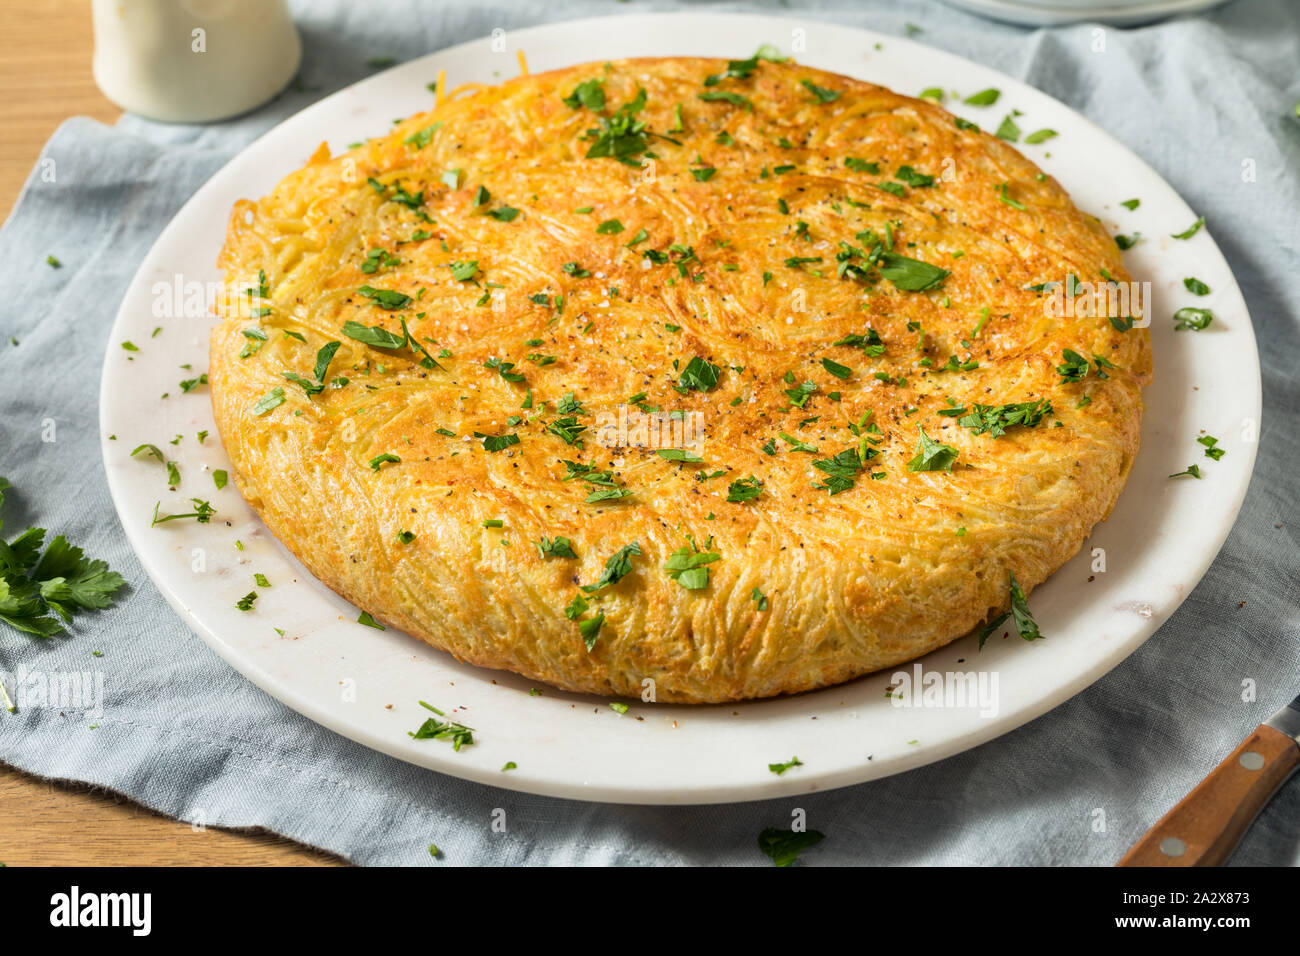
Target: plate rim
x=705 y=793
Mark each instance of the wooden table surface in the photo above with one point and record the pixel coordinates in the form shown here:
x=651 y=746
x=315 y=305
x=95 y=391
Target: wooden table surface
x=45 y=77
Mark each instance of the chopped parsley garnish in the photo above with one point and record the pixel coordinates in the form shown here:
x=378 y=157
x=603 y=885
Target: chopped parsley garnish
x=870 y=342
x=1209 y=441
x=906 y=174
x=836 y=369
x=1194 y=319
x=861 y=165
x=759 y=599
x=386 y=299
x=1019 y=614
x=1127 y=242
x=246 y=602
x=421 y=138
x=610 y=227
x=497 y=442
x=323 y=359
x=379 y=460
x=1003 y=197
x=1074 y=367
x=1196 y=286
x=723 y=96
x=678 y=454
x=504 y=369
x=799 y=394
x=219 y=478
x=983 y=97
x=1193 y=470
x=932 y=455
x=557 y=547
x=736 y=70
x=617 y=567
x=699 y=375
x=784 y=846
x=910 y=275
x=435 y=729
x=380 y=338
x=272 y=399
x=567 y=428
x=405 y=537
x=621 y=136
x=744 y=489
x=820 y=93
x=202 y=513
x=1191 y=230
x=588 y=93
x=1039 y=136
x=996 y=419
x=1131 y=204
x=780 y=768
x=379 y=258
x=794 y=443
x=589 y=629
x=840 y=470
x=1008 y=130
x=365 y=618
x=690 y=568
x=463 y=271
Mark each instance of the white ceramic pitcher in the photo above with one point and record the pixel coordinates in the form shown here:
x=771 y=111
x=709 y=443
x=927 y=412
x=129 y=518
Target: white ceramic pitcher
x=193 y=61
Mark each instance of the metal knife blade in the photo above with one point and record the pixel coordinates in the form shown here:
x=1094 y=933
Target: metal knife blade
x=1287 y=720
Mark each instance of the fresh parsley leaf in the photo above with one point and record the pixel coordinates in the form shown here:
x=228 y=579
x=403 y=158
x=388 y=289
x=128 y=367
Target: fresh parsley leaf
x=722 y=96
x=932 y=455
x=1019 y=614
x=910 y=275
x=386 y=299
x=784 y=846
x=1194 y=319
x=820 y=93
x=996 y=419
x=557 y=547
x=617 y=567
x=744 y=489
x=689 y=568
x=588 y=93
x=699 y=375
x=983 y=97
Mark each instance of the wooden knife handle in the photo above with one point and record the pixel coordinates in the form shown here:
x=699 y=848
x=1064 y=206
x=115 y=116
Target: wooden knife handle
x=1206 y=826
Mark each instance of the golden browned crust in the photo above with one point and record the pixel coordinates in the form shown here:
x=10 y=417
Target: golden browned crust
x=871 y=576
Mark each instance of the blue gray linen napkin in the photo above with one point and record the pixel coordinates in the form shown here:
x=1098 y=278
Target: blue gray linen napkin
x=185 y=734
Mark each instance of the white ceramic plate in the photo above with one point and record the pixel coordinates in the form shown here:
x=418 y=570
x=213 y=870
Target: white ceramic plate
x=365 y=684
x=1055 y=12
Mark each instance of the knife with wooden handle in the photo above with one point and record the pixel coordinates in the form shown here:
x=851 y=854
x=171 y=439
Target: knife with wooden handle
x=1206 y=826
